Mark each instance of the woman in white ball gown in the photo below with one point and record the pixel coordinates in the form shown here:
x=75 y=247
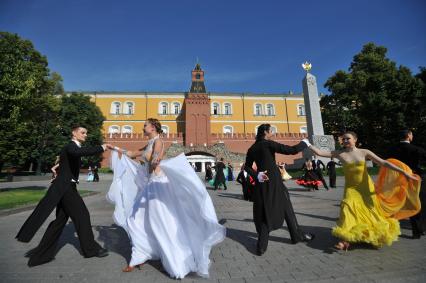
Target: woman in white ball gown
x=164 y=207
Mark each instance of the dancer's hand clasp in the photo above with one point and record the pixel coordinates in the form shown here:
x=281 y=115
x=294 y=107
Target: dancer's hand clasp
x=262 y=177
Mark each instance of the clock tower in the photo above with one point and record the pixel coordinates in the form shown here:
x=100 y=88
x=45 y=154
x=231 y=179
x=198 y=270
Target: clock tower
x=197 y=111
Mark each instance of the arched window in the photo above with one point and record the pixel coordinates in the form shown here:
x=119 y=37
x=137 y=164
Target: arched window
x=228 y=129
x=115 y=108
x=258 y=109
x=197 y=76
x=215 y=108
x=165 y=129
x=127 y=129
x=301 y=109
x=163 y=108
x=129 y=108
x=113 y=129
x=303 y=130
x=176 y=108
x=227 y=107
x=255 y=129
x=270 y=111
x=273 y=130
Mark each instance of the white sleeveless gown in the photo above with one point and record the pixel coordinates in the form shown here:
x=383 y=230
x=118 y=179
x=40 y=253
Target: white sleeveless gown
x=169 y=216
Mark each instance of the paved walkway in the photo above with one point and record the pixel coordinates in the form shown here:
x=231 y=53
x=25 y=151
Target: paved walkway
x=233 y=260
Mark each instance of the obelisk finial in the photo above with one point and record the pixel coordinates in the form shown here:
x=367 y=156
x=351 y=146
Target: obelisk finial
x=307 y=66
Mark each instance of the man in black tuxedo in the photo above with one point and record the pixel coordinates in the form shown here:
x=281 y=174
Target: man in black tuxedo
x=63 y=195
x=243 y=179
x=271 y=199
x=413 y=156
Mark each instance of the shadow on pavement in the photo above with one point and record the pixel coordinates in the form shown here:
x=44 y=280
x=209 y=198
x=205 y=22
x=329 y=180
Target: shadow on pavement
x=67 y=237
x=230 y=195
x=333 y=219
x=115 y=240
x=323 y=241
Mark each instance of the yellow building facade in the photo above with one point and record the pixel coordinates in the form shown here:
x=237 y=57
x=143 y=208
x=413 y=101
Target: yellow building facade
x=230 y=113
x=234 y=113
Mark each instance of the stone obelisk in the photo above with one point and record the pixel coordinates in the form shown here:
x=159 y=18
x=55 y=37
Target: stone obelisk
x=313 y=114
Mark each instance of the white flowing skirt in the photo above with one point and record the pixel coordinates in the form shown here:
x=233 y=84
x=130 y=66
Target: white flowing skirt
x=172 y=217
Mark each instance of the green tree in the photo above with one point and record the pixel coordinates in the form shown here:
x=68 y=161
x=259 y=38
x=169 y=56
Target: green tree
x=25 y=95
x=420 y=129
x=375 y=98
x=76 y=108
x=34 y=108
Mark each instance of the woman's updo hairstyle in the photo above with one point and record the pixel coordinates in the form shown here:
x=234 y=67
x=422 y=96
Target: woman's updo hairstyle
x=154 y=122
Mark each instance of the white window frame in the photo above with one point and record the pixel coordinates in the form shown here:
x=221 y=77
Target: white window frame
x=273 y=109
x=126 y=108
x=230 y=108
x=114 y=107
x=116 y=127
x=124 y=129
x=172 y=110
x=255 y=129
x=218 y=108
x=161 y=108
x=166 y=129
x=228 y=126
x=255 y=108
x=303 y=129
x=301 y=111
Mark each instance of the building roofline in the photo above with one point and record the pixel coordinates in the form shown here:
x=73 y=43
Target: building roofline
x=186 y=92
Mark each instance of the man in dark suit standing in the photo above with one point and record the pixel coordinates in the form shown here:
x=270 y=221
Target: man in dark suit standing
x=63 y=195
x=220 y=176
x=331 y=171
x=413 y=156
x=271 y=199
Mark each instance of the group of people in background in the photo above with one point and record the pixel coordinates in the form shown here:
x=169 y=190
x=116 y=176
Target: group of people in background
x=313 y=174
x=93 y=174
x=223 y=174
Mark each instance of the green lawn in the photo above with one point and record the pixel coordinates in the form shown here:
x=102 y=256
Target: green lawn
x=24 y=196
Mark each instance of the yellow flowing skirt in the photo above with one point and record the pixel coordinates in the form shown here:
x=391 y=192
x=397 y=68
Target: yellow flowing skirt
x=369 y=213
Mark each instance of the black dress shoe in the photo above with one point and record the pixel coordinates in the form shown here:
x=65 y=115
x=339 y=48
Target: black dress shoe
x=260 y=252
x=102 y=253
x=33 y=262
x=307 y=237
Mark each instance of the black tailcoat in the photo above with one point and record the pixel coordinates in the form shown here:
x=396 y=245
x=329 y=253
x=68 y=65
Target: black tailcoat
x=220 y=176
x=69 y=168
x=271 y=198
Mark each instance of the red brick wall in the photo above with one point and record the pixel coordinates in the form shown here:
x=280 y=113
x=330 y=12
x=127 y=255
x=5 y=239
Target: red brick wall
x=235 y=143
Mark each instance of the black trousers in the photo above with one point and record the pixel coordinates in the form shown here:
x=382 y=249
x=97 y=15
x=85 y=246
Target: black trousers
x=321 y=177
x=71 y=205
x=262 y=228
x=217 y=184
x=418 y=221
x=332 y=178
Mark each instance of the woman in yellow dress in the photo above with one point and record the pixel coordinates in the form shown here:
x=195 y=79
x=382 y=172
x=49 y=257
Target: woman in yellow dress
x=362 y=216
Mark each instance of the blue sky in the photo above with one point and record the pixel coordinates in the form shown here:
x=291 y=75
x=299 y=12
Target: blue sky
x=244 y=46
